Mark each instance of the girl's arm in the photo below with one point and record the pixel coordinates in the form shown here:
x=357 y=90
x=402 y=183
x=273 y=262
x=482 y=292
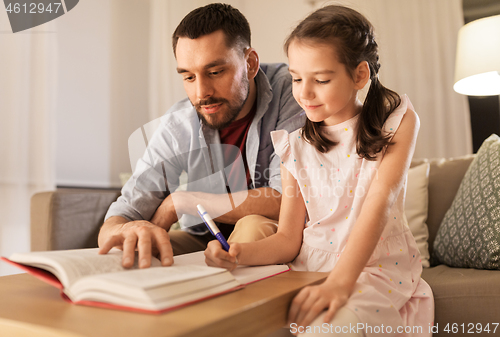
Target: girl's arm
x=278 y=248
x=382 y=195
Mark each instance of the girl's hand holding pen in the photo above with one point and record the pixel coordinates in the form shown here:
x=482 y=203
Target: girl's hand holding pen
x=216 y=256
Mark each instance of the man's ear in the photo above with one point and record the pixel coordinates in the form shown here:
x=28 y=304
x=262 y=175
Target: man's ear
x=361 y=75
x=253 y=63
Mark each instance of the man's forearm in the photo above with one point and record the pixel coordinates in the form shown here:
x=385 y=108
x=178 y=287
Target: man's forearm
x=264 y=201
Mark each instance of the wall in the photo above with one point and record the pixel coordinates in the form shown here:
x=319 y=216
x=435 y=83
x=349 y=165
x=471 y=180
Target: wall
x=82 y=117
x=102 y=89
x=476 y=9
x=129 y=80
x=278 y=17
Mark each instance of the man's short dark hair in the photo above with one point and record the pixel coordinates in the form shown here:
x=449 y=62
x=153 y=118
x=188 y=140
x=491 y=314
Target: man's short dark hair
x=211 y=18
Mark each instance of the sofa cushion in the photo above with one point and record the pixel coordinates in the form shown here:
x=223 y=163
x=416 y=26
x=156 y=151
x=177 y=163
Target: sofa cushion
x=469 y=235
x=463 y=296
x=68 y=218
x=416 y=209
x=445 y=176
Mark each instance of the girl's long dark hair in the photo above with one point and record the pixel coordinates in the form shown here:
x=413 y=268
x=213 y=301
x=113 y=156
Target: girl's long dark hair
x=352 y=36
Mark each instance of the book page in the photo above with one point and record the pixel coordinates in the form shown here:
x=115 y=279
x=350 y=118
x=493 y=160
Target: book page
x=196 y=258
x=71 y=265
x=243 y=274
x=151 y=285
x=155 y=277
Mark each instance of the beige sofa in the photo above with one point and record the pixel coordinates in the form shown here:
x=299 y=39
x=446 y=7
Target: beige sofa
x=70 y=218
x=462 y=295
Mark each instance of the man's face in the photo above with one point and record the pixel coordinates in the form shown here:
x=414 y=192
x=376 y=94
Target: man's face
x=215 y=78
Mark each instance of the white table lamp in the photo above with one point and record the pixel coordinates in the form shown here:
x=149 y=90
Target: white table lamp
x=477 y=68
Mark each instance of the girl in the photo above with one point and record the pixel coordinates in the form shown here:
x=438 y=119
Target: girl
x=345 y=170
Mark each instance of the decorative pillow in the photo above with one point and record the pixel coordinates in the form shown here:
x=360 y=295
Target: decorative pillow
x=416 y=207
x=469 y=235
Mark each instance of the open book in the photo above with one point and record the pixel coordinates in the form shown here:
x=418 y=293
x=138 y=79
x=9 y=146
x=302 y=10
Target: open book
x=87 y=278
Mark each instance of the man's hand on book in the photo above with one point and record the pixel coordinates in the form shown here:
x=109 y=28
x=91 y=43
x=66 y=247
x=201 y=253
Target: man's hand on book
x=143 y=236
x=215 y=256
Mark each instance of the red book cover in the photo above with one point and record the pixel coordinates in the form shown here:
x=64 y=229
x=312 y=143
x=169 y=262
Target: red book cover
x=51 y=279
x=40 y=274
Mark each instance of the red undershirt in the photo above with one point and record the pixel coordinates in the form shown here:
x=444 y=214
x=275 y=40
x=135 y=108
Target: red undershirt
x=236 y=134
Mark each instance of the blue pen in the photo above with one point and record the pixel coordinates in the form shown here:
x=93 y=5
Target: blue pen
x=207 y=219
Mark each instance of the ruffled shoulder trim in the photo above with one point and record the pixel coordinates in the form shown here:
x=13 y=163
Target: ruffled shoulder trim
x=283 y=148
x=281 y=143
x=392 y=123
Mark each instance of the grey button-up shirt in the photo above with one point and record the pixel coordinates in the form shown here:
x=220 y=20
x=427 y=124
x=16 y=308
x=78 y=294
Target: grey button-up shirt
x=182 y=144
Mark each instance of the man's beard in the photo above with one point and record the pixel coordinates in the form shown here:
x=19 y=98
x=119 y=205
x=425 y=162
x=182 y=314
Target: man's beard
x=233 y=109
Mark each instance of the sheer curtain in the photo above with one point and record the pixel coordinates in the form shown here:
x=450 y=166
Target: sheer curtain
x=417 y=40
x=27 y=98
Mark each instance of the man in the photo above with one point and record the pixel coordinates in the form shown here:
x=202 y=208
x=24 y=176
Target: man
x=219 y=136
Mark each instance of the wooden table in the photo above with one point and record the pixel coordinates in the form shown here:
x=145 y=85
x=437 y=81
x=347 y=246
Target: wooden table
x=29 y=307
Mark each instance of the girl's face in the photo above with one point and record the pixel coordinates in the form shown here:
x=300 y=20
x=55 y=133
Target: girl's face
x=321 y=84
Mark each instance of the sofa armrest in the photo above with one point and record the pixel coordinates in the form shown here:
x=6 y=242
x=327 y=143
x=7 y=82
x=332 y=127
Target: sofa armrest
x=68 y=218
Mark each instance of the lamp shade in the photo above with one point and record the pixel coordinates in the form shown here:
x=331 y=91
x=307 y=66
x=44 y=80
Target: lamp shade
x=477 y=68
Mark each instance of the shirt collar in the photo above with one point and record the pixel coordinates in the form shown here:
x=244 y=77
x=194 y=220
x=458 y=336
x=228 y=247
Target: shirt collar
x=264 y=94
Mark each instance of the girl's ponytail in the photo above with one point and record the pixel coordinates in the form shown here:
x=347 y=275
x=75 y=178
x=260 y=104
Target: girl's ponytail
x=379 y=103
